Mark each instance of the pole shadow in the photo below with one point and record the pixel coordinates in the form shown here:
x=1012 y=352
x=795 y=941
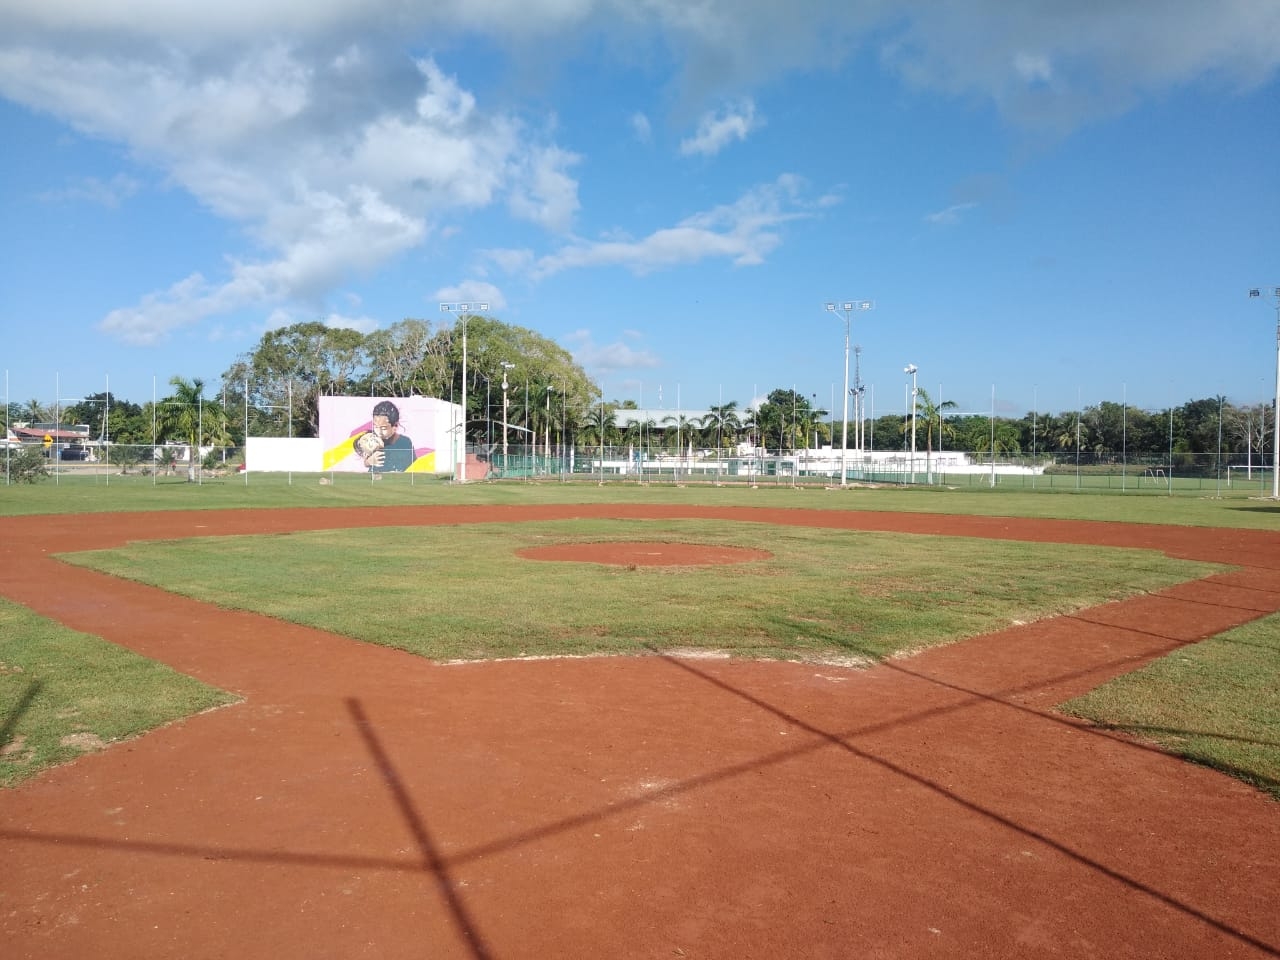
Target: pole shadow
x=433 y=862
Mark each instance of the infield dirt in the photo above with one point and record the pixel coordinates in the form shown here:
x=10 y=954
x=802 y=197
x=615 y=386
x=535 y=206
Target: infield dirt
x=361 y=802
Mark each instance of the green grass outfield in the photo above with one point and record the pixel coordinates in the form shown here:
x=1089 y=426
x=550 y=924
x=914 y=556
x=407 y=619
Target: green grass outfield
x=98 y=494
x=1235 y=709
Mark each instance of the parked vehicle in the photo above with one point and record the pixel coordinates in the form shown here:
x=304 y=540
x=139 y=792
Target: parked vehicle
x=74 y=452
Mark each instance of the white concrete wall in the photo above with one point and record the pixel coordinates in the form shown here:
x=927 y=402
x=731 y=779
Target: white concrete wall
x=283 y=454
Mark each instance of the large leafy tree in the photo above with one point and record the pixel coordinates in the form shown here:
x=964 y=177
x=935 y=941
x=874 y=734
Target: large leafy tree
x=1200 y=424
x=887 y=430
x=535 y=360
x=291 y=368
x=111 y=418
x=1250 y=428
x=1148 y=433
x=782 y=419
x=409 y=357
x=289 y=371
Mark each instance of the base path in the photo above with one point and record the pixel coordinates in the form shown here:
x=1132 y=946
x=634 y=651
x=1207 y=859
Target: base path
x=364 y=803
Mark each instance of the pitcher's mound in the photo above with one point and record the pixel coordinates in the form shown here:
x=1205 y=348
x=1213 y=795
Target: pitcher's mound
x=644 y=553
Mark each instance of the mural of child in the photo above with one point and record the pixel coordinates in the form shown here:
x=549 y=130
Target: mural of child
x=393 y=450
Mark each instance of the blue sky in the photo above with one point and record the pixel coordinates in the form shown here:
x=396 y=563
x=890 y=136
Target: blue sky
x=1065 y=202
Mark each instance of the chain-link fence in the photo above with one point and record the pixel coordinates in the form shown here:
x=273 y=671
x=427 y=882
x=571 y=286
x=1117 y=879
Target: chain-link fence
x=1182 y=473
x=100 y=460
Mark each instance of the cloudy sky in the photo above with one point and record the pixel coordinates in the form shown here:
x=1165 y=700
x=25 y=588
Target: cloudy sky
x=1062 y=201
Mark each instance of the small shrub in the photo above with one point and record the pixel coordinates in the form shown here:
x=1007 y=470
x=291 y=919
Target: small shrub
x=28 y=465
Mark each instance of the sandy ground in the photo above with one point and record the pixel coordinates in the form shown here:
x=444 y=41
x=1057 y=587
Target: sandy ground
x=361 y=802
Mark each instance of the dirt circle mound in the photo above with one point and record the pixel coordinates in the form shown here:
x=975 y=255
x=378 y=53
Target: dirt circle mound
x=644 y=553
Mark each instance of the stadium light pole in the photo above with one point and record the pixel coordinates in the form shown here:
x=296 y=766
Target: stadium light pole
x=846 y=307
x=1275 y=413
x=547 y=457
x=464 y=314
x=505 y=367
x=912 y=369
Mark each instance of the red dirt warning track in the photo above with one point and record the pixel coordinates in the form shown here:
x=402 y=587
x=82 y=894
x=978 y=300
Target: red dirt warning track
x=361 y=802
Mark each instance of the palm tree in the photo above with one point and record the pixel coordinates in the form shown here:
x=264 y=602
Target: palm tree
x=721 y=424
x=602 y=422
x=182 y=414
x=639 y=431
x=684 y=427
x=750 y=426
x=35 y=412
x=814 y=427
x=932 y=414
x=215 y=427
x=1069 y=431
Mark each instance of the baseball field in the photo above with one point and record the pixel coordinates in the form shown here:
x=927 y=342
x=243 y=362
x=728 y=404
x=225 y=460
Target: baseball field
x=297 y=719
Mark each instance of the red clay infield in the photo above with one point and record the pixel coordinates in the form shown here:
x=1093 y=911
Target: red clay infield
x=363 y=803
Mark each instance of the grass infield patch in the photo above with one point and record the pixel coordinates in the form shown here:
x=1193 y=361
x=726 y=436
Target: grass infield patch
x=460 y=592
x=1216 y=703
x=64 y=693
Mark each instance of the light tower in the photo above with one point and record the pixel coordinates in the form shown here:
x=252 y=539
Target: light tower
x=846 y=307
x=912 y=369
x=464 y=314
x=1275 y=412
x=505 y=367
x=859 y=414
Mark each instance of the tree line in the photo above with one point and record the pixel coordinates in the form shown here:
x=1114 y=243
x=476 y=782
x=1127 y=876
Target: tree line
x=274 y=390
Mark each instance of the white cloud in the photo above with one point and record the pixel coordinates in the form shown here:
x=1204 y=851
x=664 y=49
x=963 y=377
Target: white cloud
x=1055 y=65
x=607 y=358
x=544 y=193
x=329 y=189
x=950 y=216
x=1033 y=68
x=473 y=292
x=343 y=322
x=336 y=152
x=342 y=235
x=717 y=130
x=157 y=314
x=511 y=261
x=279 y=318
x=641 y=128
x=743 y=232
x=983 y=47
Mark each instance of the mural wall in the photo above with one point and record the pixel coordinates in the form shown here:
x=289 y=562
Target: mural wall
x=386 y=435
